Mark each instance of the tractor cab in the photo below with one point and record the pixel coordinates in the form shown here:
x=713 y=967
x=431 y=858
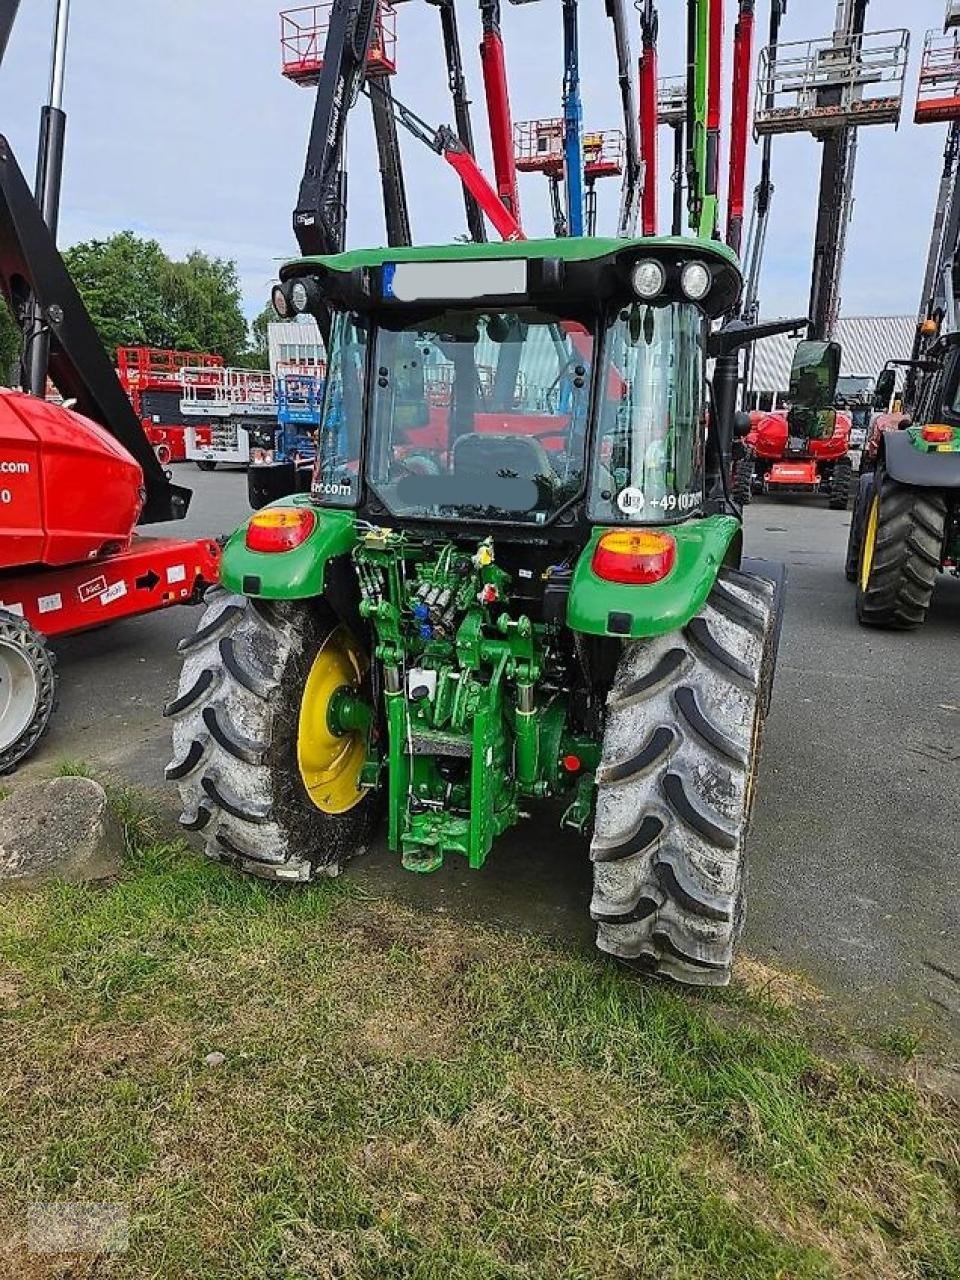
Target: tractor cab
x=545 y=387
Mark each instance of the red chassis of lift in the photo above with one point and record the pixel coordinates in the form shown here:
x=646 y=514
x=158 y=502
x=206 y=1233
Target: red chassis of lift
x=152 y=574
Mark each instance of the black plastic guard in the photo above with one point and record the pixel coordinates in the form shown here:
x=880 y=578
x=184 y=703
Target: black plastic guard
x=904 y=463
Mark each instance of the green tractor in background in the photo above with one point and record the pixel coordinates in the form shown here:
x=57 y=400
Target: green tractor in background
x=905 y=530
x=518 y=577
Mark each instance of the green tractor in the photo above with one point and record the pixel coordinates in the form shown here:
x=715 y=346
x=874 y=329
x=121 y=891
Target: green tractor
x=905 y=530
x=518 y=578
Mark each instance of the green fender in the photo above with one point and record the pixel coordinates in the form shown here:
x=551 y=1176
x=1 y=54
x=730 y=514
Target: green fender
x=599 y=608
x=289 y=575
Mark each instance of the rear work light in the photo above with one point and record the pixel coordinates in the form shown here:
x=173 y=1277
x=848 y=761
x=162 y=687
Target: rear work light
x=635 y=556
x=936 y=433
x=280 y=528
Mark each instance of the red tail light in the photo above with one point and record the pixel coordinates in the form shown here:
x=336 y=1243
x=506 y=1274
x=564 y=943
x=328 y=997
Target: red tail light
x=937 y=433
x=636 y=556
x=280 y=528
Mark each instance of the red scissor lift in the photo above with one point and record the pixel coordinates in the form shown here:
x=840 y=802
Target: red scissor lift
x=303 y=37
x=151 y=377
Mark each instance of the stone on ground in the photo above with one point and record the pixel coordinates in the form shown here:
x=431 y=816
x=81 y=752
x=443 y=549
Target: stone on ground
x=58 y=829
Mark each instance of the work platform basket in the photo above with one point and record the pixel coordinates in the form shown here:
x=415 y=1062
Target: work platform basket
x=538 y=148
x=303 y=39
x=938 y=94
x=672 y=100
x=814 y=86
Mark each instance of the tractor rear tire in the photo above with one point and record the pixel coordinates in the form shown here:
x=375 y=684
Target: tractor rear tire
x=743 y=477
x=840 y=485
x=237 y=736
x=901 y=555
x=28 y=689
x=676 y=785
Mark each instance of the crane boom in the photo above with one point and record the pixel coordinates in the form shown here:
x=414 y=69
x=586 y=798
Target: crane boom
x=494 y=65
x=649 y=115
x=319 y=221
x=444 y=142
x=572 y=121
x=461 y=106
x=395 y=210
x=739 y=117
x=633 y=175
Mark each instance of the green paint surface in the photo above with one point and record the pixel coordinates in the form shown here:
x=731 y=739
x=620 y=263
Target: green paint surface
x=289 y=575
x=661 y=607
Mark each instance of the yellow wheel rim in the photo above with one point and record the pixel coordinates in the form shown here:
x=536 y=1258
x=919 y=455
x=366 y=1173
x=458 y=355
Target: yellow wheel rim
x=330 y=763
x=869 y=543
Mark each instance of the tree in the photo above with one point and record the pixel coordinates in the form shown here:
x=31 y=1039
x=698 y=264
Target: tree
x=257 y=355
x=10 y=346
x=138 y=296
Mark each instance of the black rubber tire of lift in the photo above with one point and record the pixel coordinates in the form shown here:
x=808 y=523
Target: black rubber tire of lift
x=235 y=723
x=840 y=484
x=206 y=466
x=743 y=477
x=676 y=785
x=908 y=556
x=16 y=633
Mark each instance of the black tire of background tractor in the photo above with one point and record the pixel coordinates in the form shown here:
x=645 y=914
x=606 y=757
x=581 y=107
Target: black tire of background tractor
x=676 y=784
x=206 y=466
x=851 y=565
x=23 y=647
x=235 y=723
x=743 y=477
x=840 y=485
x=907 y=558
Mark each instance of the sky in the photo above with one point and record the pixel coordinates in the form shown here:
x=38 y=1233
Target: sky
x=181 y=128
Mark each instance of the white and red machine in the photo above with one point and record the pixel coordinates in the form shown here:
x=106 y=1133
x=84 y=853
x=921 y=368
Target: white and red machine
x=151 y=378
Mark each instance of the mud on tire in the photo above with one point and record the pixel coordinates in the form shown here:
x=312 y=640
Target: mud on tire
x=675 y=787
x=907 y=556
x=235 y=725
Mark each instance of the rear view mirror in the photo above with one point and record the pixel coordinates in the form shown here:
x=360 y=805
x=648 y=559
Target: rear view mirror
x=886 y=385
x=814 y=376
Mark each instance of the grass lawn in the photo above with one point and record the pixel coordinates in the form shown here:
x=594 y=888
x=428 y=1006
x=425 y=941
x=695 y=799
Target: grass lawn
x=404 y=1096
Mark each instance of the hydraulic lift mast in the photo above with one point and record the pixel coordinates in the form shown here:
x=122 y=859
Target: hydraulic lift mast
x=395 y=209
x=763 y=193
x=704 y=52
x=444 y=142
x=493 y=61
x=649 y=115
x=461 y=106
x=572 y=122
x=633 y=176
x=836 y=192
x=319 y=221
x=739 y=127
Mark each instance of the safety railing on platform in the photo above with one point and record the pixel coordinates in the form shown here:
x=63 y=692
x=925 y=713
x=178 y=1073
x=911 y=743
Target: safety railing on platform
x=811 y=86
x=538 y=148
x=137 y=366
x=227 y=393
x=303 y=39
x=938 y=94
x=672 y=100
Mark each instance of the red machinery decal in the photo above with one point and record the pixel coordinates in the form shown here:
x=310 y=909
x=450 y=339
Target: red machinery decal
x=154 y=573
x=793 y=473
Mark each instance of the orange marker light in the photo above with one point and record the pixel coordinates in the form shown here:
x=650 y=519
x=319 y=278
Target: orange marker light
x=635 y=556
x=280 y=528
x=936 y=433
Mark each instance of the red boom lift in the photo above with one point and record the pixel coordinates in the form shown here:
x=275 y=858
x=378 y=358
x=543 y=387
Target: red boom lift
x=74 y=481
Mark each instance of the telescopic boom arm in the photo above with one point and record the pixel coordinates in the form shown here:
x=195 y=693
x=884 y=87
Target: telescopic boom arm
x=461 y=106
x=319 y=221
x=649 y=118
x=8 y=16
x=444 y=142
x=572 y=122
x=633 y=177
x=494 y=64
x=739 y=123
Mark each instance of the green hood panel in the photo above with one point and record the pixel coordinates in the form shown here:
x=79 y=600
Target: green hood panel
x=654 y=610
x=289 y=575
